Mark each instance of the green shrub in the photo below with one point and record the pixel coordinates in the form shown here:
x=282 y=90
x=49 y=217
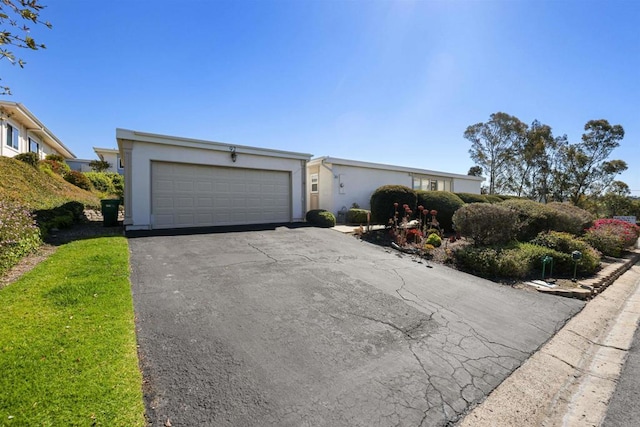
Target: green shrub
x=533 y=217
x=78 y=179
x=357 y=216
x=29 y=158
x=54 y=166
x=19 y=234
x=118 y=184
x=486 y=224
x=321 y=218
x=63 y=216
x=570 y=218
x=492 y=198
x=76 y=209
x=54 y=158
x=481 y=262
x=519 y=261
x=612 y=236
x=445 y=202
x=383 y=199
x=472 y=198
x=566 y=243
x=434 y=240
x=101 y=182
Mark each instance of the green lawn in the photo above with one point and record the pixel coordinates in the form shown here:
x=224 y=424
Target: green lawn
x=67 y=341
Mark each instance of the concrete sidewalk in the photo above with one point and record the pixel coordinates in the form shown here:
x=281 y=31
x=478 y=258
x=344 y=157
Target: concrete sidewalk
x=571 y=379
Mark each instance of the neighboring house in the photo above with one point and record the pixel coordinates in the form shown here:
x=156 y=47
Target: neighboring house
x=336 y=184
x=174 y=182
x=22 y=132
x=112 y=156
x=80 y=165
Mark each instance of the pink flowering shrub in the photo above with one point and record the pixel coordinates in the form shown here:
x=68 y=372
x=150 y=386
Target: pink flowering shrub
x=612 y=236
x=19 y=234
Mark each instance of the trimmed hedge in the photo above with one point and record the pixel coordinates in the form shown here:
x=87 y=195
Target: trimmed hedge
x=357 y=216
x=485 y=223
x=445 y=202
x=535 y=217
x=321 y=218
x=570 y=218
x=382 y=200
x=492 y=198
x=472 y=198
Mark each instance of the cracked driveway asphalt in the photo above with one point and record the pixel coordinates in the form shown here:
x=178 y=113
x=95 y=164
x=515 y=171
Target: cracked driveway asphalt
x=309 y=327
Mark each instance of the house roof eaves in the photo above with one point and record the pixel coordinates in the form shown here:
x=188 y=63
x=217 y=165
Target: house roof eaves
x=131 y=135
x=381 y=166
x=39 y=127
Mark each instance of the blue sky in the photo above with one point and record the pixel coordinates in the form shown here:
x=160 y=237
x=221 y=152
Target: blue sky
x=391 y=82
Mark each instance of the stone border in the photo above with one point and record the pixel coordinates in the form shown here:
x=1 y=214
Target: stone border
x=588 y=288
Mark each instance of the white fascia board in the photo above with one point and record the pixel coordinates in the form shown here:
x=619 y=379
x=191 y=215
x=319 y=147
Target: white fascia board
x=125 y=134
x=105 y=150
x=381 y=166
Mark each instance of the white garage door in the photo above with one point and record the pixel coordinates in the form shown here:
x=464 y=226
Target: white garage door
x=185 y=195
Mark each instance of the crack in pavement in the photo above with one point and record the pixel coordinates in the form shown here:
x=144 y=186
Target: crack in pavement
x=262 y=252
x=597 y=343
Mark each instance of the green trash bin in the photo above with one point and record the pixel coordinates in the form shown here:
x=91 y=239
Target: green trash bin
x=110 y=212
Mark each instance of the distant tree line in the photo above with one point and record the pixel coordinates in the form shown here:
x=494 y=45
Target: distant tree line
x=530 y=161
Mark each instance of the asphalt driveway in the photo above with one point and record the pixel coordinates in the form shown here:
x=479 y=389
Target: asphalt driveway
x=309 y=327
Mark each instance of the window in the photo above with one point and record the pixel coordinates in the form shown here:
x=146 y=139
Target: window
x=431 y=183
x=34 y=147
x=314 y=182
x=12 y=137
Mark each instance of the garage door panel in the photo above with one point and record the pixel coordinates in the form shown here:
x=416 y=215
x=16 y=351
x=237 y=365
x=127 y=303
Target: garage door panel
x=204 y=186
x=183 y=185
x=185 y=195
x=205 y=202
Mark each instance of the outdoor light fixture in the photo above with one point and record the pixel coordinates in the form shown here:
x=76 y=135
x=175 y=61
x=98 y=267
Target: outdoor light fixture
x=577 y=256
x=547 y=261
x=234 y=155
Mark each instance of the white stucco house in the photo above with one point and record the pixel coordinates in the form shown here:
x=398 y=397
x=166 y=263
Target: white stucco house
x=110 y=155
x=22 y=132
x=335 y=184
x=174 y=182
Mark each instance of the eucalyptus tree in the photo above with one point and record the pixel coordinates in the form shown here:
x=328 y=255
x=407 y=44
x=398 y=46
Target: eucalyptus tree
x=493 y=147
x=584 y=169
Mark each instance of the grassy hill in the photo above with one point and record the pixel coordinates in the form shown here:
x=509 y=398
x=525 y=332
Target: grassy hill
x=27 y=186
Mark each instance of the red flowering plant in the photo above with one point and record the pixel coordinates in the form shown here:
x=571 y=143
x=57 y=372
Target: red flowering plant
x=430 y=221
x=612 y=236
x=401 y=230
